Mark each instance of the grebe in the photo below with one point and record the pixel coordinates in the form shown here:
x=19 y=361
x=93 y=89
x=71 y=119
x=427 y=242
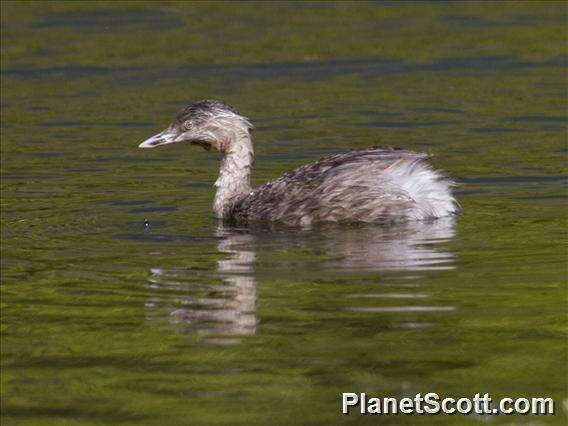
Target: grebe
x=368 y=185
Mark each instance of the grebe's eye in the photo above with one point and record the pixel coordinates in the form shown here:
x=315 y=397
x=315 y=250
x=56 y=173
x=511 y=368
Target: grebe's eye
x=187 y=124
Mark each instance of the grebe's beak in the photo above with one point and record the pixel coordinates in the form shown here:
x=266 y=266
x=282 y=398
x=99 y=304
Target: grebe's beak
x=162 y=138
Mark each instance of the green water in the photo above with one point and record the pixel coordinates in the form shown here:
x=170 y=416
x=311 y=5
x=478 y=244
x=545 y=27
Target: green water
x=106 y=321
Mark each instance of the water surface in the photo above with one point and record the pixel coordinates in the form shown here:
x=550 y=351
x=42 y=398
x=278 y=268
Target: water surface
x=124 y=301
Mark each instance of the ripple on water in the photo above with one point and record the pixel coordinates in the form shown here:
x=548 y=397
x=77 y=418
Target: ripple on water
x=387 y=296
x=117 y=19
x=402 y=309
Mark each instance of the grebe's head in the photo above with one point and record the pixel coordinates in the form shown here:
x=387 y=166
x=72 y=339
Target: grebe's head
x=209 y=123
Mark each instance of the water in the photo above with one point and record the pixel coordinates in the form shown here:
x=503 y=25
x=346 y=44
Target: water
x=124 y=301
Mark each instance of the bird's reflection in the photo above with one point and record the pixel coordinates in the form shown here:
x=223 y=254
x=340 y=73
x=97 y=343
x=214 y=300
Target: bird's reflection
x=408 y=246
x=223 y=302
x=224 y=308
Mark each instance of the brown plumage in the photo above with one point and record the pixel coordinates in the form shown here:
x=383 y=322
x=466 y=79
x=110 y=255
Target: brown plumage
x=370 y=185
x=335 y=188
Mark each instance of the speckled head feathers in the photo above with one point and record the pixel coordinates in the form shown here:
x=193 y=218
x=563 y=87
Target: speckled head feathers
x=204 y=109
x=208 y=123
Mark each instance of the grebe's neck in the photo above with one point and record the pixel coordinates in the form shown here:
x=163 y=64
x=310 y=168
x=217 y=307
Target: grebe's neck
x=234 y=177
